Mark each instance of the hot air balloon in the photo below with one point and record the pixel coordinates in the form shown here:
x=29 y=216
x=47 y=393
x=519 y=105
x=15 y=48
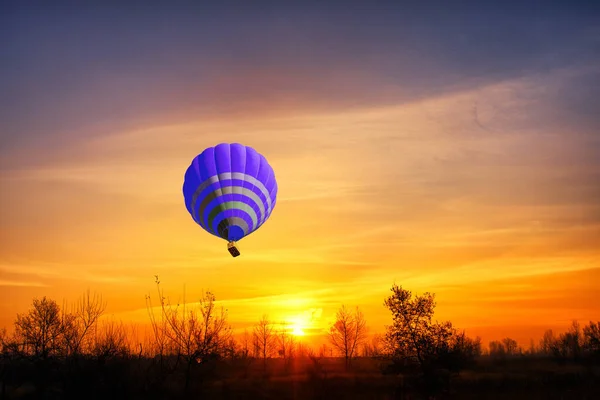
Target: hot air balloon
x=230 y=191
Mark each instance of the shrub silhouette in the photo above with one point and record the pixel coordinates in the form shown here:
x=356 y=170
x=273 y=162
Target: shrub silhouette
x=76 y=352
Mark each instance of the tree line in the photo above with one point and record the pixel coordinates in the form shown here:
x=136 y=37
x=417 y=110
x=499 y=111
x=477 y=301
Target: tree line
x=190 y=339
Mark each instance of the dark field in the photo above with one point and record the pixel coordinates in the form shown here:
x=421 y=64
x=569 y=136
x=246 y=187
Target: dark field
x=316 y=378
x=55 y=354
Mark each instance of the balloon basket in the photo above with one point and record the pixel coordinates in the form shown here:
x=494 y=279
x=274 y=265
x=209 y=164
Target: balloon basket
x=233 y=249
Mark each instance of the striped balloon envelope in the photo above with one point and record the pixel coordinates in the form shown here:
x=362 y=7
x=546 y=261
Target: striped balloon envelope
x=230 y=191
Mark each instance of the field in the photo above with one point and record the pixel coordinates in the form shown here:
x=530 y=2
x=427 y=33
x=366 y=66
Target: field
x=305 y=378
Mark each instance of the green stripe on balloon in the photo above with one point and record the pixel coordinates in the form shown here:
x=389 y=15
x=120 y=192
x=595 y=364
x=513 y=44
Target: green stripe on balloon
x=219 y=208
x=225 y=190
x=232 y=175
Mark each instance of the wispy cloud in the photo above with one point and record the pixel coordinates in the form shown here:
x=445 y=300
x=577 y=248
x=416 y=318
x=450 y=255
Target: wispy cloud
x=384 y=176
x=21 y=284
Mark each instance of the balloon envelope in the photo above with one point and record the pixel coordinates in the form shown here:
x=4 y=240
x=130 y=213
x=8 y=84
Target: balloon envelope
x=230 y=190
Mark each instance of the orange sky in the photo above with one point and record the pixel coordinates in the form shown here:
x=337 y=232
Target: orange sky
x=455 y=151
x=476 y=195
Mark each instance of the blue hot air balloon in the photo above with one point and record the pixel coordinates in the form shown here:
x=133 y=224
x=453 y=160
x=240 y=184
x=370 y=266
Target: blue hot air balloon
x=230 y=191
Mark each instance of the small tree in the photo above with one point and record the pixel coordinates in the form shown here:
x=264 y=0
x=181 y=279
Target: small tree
x=348 y=332
x=591 y=339
x=569 y=344
x=414 y=337
x=301 y=350
x=196 y=337
x=285 y=345
x=81 y=323
x=87 y=311
x=245 y=344
x=264 y=339
x=463 y=351
x=411 y=335
x=40 y=330
x=532 y=350
x=548 y=343
x=110 y=340
x=510 y=346
x=497 y=349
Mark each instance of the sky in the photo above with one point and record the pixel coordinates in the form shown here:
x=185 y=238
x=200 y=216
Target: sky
x=455 y=151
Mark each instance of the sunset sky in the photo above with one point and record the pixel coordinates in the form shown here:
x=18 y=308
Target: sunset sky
x=455 y=151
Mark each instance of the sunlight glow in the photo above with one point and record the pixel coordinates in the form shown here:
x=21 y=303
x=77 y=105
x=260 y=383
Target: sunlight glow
x=297 y=331
x=303 y=322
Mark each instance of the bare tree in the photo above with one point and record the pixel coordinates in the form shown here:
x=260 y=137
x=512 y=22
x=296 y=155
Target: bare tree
x=111 y=340
x=510 y=346
x=285 y=345
x=159 y=325
x=569 y=344
x=348 y=332
x=547 y=343
x=40 y=330
x=264 y=339
x=377 y=343
x=316 y=369
x=591 y=335
x=3 y=340
x=244 y=353
x=255 y=345
x=324 y=351
x=245 y=343
x=460 y=351
x=80 y=324
x=573 y=344
x=301 y=350
x=497 y=349
x=374 y=348
x=48 y=329
x=87 y=311
x=195 y=336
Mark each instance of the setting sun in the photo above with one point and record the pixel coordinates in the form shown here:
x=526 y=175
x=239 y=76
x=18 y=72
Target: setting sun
x=303 y=323
x=297 y=331
x=209 y=200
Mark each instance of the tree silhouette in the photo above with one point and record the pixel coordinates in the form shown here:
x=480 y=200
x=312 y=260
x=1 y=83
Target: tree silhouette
x=196 y=337
x=111 y=340
x=547 y=343
x=80 y=325
x=159 y=326
x=264 y=339
x=569 y=344
x=591 y=334
x=245 y=344
x=497 y=349
x=411 y=335
x=374 y=348
x=285 y=345
x=348 y=332
x=414 y=337
x=40 y=330
x=87 y=311
x=511 y=346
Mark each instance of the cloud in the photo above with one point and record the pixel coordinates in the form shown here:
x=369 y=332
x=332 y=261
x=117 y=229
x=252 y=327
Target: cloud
x=414 y=192
x=161 y=68
x=21 y=284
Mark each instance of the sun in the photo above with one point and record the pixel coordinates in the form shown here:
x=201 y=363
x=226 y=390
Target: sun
x=303 y=323
x=297 y=325
x=297 y=330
